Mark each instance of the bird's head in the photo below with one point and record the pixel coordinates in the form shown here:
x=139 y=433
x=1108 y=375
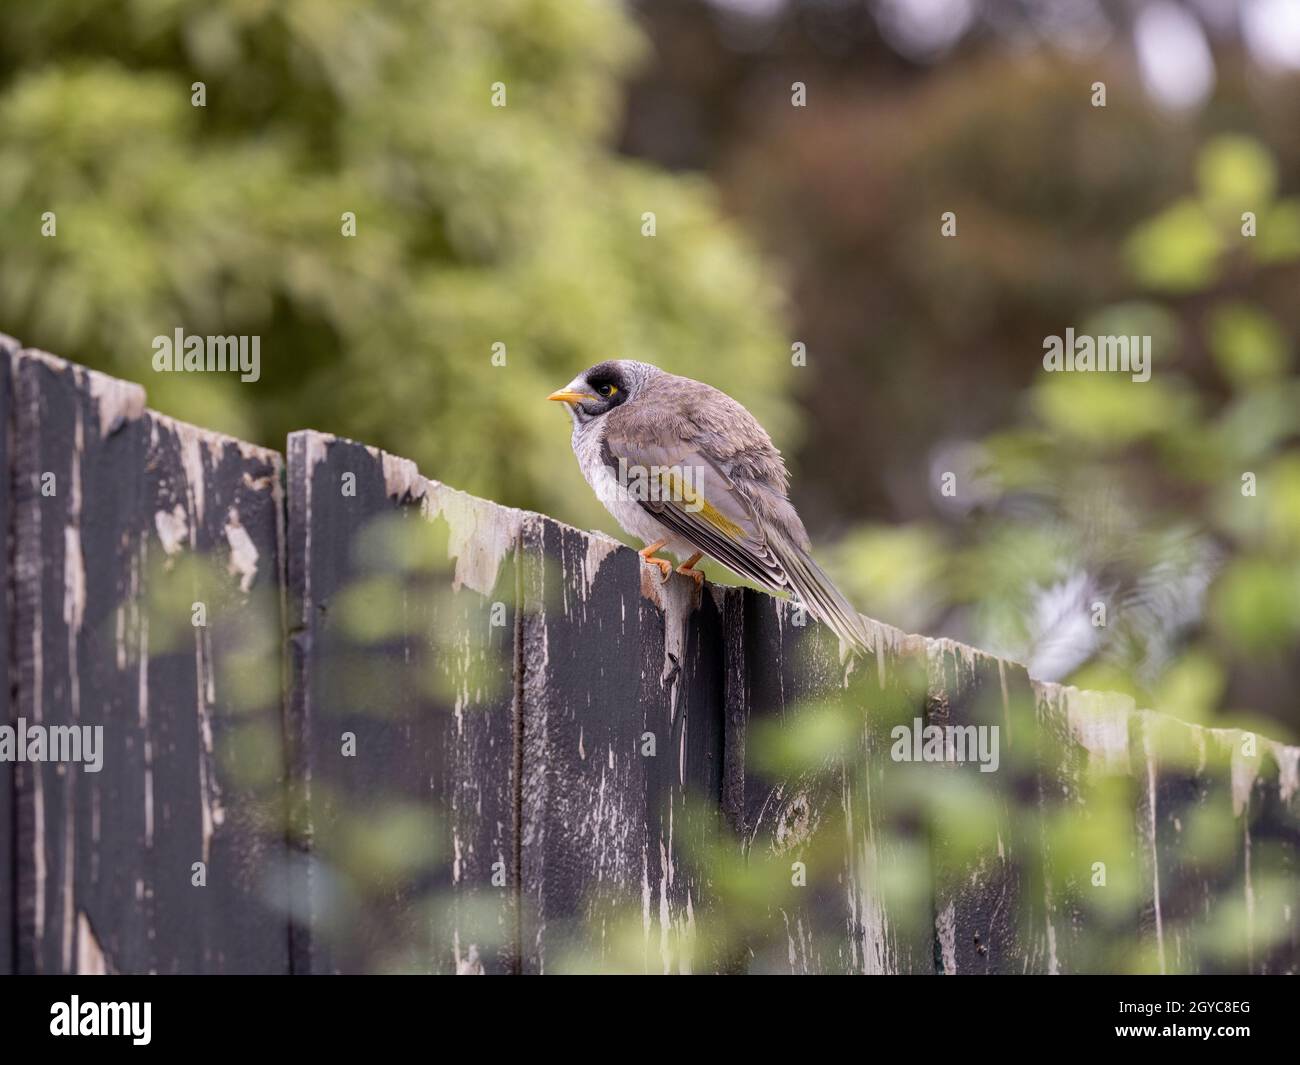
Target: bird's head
x=597 y=391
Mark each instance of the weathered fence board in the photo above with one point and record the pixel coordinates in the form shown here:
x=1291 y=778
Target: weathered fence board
x=825 y=829
x=146 y=591
x=1271 y=828
x=1089 y=843
x=1217 y=819
x=622 y=757
x=991 y=912
x=403 y=611
x=375 y=724
x=1186 y=847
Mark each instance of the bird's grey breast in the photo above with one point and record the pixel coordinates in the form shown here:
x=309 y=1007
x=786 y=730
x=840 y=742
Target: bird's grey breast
x=589 y=447
x=595 y=462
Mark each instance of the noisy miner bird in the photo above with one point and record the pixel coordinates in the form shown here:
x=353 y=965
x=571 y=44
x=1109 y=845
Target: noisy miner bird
x=688 y=470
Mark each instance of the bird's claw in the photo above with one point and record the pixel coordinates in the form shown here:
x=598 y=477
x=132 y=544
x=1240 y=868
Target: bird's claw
x=665 y=568
x=694 y=575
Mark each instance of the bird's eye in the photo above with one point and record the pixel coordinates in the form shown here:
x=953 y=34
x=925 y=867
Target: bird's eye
x=606 y=390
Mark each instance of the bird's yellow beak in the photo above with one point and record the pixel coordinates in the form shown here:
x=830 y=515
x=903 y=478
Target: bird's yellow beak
x=569 y=395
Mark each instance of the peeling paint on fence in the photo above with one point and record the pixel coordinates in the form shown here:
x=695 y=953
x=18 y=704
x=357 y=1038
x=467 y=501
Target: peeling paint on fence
x=402 y=713
x=116 y=644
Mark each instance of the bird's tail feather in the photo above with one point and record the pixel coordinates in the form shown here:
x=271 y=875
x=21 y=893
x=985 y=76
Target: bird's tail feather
x=823 y=600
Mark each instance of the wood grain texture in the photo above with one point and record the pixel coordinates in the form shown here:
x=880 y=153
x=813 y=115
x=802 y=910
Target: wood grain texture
x=124 y=521
x=621 y=699
x=991 y=913
x=826 y=829
x=1218 y=828
x=402 y=600
x=1091 y=879
x=1271 y=855
x=1183 y=842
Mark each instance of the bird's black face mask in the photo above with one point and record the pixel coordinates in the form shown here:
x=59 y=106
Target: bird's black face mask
x=599 y=391
x=609 y=389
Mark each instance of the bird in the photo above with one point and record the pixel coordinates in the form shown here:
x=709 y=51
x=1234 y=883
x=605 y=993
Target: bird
x=689 y=471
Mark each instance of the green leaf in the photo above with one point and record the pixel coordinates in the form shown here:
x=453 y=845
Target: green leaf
x=1248 y=344
x=1178 y=250
x=1236 y=173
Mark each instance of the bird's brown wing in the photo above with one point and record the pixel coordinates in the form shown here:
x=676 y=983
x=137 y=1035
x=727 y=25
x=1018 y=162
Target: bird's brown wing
x=705 y=451
x=723 y=491
x=687 y=492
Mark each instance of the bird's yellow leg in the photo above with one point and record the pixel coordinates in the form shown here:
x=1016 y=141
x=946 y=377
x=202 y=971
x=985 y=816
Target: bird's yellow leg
x=686 y=570
x=647 y=555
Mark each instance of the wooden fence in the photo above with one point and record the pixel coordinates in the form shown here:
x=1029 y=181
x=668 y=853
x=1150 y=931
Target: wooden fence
x=355 y=720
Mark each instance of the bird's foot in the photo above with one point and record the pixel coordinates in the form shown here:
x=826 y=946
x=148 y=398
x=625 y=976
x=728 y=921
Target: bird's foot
x=687 y=569
x=647 y=555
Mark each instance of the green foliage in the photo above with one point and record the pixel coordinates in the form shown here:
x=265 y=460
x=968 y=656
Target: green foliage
x=1248 y=344
x=1125 y=472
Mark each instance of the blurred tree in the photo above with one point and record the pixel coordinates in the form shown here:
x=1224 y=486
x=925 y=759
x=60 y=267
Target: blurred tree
x=475 y=224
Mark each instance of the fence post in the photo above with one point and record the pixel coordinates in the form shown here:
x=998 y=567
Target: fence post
x=622 y=696
x=146 y=605
x=825 y=826
x=402 y=716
